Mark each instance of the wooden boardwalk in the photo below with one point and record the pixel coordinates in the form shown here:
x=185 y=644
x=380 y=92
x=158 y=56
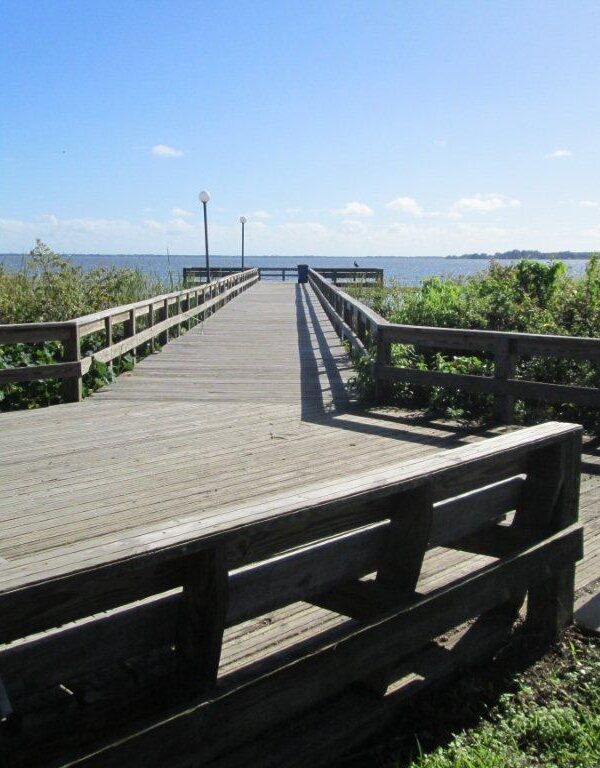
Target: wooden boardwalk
x=253 y=402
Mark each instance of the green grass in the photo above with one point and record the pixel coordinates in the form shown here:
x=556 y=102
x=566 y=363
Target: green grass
x=545 y=717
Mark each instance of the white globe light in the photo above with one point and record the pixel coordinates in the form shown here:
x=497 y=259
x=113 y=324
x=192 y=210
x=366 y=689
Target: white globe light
x=204 y=197
x=243 y=219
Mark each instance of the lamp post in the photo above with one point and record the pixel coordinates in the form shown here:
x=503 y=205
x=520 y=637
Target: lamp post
x=204 y=198
x=242 y=222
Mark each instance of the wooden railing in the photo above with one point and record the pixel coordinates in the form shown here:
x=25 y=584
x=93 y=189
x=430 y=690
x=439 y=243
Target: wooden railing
x=368 y=332
x=338 y=275
x=351 y=275
x=136 y=687
x=160 y=313
x=194 y=275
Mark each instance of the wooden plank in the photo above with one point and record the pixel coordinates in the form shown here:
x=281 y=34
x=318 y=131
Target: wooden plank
x=201 y=619
x=32 y=333
x=531 y=390
x=252 y=592
x=266 y=702
x=65 y=370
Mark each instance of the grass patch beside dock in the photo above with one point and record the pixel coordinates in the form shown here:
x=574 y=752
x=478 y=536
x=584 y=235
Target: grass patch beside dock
x=545 y=717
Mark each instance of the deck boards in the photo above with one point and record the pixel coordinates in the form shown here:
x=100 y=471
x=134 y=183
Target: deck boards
x=251 y=404
x=254 y=401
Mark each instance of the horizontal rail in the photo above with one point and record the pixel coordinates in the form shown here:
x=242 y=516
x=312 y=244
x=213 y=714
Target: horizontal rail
x=198 y=274
x=188 y=304
x=315 y=545
x=366 y=330
x=350 y=275
x=338 y=275
x=98 y=580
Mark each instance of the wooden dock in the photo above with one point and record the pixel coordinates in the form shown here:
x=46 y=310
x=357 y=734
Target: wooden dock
x=236 y=425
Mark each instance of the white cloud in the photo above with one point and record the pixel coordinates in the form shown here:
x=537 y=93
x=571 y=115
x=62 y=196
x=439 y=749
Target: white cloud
x=354 y=209
x=440 y=142
x=164 y=150
x=430 y=234
x=485 y=203
x=405 y=205
x=589 y=204
x=558 y=153
x=292 y=211
x=261 y=215
x=181 y=213
x=351 y=227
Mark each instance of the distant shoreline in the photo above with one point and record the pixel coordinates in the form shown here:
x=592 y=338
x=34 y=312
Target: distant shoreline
x=515 y=255
x=505 y=255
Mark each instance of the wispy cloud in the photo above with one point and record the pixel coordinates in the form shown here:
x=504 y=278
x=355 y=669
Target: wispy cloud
x=354 y=209
x=588 y=204
x=181 y=213
x=165 y=151
x=261 y=215
x=405 y=205
x=558 y=153
x=353 y=237
x=485 y=203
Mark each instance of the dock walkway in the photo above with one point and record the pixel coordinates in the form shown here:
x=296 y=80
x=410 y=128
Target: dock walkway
x=252 y=403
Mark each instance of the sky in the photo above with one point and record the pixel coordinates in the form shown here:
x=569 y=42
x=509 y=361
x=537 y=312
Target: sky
x=337 y=128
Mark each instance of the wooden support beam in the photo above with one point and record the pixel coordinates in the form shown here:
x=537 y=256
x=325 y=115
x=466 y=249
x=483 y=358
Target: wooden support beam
x=550 y=502
x=202 y=613
x=130 y=330
x=164 y=315
x=383 y=358
x=108 y=331
x=72 y=387
x=406 y=541
x=504 y=369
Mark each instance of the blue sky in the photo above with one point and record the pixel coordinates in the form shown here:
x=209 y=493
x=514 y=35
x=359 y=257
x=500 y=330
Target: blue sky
x=337 y=128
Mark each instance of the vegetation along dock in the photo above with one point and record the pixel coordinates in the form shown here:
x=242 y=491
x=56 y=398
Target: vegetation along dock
x=225 y=540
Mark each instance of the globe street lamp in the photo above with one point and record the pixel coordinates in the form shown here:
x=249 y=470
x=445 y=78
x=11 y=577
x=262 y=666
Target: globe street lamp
x=242 y=222
x=204 y=198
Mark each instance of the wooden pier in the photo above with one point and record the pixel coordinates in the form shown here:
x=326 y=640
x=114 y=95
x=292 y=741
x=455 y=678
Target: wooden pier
x=222 y=555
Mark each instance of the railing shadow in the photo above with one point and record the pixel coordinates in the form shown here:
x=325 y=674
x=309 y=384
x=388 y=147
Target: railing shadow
x=325 y=396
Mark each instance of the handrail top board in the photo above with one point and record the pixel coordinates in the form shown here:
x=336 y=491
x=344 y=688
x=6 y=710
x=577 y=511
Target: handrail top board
x=83 y=320
x=328 y=503
x=86 y=319
x=362 y=308
x=392 y=332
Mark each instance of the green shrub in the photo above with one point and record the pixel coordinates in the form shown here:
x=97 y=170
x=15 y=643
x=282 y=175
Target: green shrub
x=49 y=288
x=530 y=297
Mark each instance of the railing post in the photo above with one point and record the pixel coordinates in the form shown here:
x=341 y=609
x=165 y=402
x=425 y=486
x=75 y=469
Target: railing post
x=187 y=305
x=402 y=555
x=152 y=344
x=550 y=502
x=202 y=613
x=72 y=388
x=130 y=330
x=383 y=357
x=302 y=273
x=164 y=315
x=108 y=330
x=504 y=368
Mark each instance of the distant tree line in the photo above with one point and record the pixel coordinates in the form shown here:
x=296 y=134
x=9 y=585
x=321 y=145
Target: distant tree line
x=515 y=254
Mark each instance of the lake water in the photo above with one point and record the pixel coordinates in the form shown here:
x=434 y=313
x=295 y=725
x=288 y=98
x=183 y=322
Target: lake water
x=408 y=269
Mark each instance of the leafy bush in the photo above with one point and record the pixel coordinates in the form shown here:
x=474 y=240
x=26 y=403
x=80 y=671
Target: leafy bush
x=49 y=288
x=529 y=296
